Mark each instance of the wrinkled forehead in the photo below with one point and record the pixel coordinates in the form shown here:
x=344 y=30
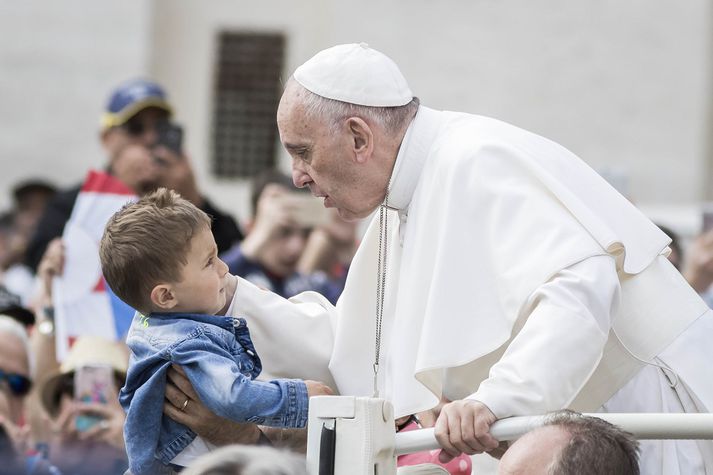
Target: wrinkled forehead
x=294 y=124
x=291 y=102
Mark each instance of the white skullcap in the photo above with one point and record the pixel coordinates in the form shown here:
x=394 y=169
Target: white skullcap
x=356 y=74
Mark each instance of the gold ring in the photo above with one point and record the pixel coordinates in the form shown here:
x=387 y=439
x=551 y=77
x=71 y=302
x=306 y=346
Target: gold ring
x=185 y=405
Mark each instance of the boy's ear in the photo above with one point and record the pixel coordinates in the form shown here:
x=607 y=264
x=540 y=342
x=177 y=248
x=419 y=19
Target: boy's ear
x=163 y=298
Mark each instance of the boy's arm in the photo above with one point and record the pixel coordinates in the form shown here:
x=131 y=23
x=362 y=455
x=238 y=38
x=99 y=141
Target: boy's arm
x=220 y=431
x=224 y=390
x=183 y=405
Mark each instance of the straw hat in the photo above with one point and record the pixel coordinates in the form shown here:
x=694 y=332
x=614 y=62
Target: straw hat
x=86 y=351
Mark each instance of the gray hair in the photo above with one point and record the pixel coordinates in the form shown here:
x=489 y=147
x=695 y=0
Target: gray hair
x=248 y=460
x=391 y=119
x=9 y=325
x=595 y=446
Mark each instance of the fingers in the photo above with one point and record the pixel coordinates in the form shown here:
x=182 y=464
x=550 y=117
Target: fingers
x=175 y=396
x=64 y=426
x=443 y=437
x=464 y=427
x=96 y=408
x=177 y=376
x=317 y=388
x=95 y=431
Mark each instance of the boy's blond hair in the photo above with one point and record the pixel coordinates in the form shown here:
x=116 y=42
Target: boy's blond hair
x=146 y=243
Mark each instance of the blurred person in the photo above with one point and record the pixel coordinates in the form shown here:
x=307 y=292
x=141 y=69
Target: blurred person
x=572 y=444
x=30 y=198
x=247 y=460
x=15 y=380
x=676 y=255
x=32 y=195
x=11 y=306
x=159 y=256
x=18 y=452
x=698 y=265
x=277 y=236
x=16 y=276
x=129 y=132
x=86 y=437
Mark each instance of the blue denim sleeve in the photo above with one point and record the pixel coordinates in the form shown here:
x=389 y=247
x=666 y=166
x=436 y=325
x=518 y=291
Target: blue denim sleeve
x=216 y=377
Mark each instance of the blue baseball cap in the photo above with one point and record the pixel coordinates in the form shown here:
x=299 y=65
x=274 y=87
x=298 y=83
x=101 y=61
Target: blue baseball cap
x=132 y=97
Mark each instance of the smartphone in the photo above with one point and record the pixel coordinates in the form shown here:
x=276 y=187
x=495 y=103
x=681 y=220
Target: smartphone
x=309 y=211
x=92 y=384
x=170 y=135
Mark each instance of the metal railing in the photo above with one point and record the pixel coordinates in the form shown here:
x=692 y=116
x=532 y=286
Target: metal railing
x=641 y=425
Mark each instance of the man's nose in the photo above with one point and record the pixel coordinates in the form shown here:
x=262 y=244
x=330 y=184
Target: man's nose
x=299 y=177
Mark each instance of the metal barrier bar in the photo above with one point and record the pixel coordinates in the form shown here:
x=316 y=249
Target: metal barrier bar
x=641 y=425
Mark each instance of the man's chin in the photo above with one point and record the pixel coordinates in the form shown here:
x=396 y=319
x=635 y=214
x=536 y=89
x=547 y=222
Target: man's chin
x=350 y=216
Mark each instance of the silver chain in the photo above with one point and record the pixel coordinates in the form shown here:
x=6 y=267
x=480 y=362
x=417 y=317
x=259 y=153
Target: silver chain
x=380 y=285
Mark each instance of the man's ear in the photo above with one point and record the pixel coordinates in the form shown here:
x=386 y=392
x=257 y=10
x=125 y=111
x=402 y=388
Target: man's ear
x=362 y=139
x=163 y=298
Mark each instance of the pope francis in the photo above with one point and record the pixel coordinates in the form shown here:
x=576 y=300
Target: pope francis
x=499 y=272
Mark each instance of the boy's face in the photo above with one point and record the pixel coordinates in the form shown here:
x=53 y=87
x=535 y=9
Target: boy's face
x=202 y=287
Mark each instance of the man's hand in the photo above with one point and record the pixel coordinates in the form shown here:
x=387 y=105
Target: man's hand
x=464 y=427
x=51 y=265
x=275 y=211
x=317 y=388
x=199 y=418
x=111 y=428
x=19 y=436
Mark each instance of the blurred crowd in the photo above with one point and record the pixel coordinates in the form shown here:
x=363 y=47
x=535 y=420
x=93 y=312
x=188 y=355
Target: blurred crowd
x=288 y=245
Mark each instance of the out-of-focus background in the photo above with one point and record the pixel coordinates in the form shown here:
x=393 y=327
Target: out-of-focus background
x=628 y=86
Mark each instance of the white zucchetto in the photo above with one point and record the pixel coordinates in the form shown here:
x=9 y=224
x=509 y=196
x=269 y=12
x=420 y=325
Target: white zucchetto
x=357 y=74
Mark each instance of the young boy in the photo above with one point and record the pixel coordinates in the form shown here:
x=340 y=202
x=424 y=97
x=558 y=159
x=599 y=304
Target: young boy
x=159 y=256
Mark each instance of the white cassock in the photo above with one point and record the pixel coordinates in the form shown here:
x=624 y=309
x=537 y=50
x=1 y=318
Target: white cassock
x=516 y=277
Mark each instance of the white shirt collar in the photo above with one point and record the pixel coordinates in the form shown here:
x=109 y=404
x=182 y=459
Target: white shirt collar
x=411 y=157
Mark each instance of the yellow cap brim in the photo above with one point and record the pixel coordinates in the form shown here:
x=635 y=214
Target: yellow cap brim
x=110 y=119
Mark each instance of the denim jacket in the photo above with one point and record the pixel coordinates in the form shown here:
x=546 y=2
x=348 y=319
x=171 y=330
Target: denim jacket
x=219 y=359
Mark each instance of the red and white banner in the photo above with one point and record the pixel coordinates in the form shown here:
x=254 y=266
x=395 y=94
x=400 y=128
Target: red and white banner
x=84 y=305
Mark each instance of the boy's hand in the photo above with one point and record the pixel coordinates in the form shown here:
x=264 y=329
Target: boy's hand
x=317 y=388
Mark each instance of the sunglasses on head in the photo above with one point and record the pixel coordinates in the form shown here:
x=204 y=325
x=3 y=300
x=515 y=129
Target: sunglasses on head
x=136 y=126
x=19 y=385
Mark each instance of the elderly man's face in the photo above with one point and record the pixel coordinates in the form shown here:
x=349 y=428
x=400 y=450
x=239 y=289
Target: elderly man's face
x=324 y=160
x=13 y=361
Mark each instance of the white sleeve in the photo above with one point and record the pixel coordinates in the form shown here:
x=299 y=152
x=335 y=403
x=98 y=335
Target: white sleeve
x=293 y=337
x=560 y=344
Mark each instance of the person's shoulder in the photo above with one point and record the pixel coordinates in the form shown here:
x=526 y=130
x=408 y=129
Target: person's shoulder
x=151 y=334
x=65 y=198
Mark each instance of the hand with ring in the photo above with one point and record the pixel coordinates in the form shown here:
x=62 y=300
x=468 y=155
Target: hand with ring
x=183 y=405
